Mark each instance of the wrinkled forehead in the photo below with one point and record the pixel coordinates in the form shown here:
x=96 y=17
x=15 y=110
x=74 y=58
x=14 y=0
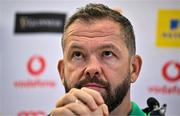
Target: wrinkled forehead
x=104 y=25
x=93 y=28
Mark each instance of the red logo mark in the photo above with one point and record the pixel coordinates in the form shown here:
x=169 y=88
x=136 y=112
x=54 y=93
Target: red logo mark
x=31 y=113
x=36 y=65
x=165 y=71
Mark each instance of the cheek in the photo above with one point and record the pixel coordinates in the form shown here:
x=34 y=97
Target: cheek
x=116 y=73
x=72 y=74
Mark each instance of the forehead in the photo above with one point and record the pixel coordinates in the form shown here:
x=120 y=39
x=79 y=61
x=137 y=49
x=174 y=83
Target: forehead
x=93 y=28
x=104 y=30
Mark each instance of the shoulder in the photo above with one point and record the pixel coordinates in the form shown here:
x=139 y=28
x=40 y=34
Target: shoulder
x=135 y=110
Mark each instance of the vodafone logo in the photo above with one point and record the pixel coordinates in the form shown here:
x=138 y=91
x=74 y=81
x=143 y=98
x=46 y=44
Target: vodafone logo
x=31 y=113
x=36 y=65
x=171 y=71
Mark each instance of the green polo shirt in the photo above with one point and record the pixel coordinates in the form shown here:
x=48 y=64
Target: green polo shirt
x=135 y=110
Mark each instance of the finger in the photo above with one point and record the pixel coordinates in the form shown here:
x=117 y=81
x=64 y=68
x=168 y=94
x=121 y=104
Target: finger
x=105 y=110
x=96 y=95
x=66 y=99
x=84 y=97
x=62 y=112
x=78 y=108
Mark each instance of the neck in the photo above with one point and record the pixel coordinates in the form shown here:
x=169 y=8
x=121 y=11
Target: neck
x=124 y=108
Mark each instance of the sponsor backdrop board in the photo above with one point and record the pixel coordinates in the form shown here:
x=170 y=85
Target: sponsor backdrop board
x=30 y=33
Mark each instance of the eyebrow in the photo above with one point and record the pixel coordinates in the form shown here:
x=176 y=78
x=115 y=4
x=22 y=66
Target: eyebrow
x=109 y=46
x=76 y=46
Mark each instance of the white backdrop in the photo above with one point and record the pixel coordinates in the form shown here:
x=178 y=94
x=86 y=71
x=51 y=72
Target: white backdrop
x=17 y=49
x=0 y=61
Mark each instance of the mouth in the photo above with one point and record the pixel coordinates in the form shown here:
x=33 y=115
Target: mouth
x=95 y=86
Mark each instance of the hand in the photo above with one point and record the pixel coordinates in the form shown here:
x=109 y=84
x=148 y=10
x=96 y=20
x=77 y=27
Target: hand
x=85 y=102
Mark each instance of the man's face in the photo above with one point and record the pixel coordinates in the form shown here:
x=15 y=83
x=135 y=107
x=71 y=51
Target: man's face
x=96 y=57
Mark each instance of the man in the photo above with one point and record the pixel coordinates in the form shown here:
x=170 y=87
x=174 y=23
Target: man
x=99 y=64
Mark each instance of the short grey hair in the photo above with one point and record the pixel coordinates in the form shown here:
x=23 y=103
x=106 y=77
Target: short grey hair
x=93 y=12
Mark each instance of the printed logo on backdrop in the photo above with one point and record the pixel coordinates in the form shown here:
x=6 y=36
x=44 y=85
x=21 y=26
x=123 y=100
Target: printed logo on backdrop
x=31 y=113
x=36 y=65
x=171 y=75
x=171 y=71
x=168 y=28
x=39 y=22
x=36 y=68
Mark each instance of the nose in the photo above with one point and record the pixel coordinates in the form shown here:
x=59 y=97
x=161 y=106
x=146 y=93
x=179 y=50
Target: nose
x=93 y=67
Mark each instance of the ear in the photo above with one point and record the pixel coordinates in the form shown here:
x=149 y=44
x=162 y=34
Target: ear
x=135 y=67
x=60 y=68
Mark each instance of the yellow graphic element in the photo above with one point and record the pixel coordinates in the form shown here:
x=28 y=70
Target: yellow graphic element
x=168 y=28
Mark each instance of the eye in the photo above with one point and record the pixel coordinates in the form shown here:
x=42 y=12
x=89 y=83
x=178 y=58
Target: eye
x=77 y=55
x=107 y=54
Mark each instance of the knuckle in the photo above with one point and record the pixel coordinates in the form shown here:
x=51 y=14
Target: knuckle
x=98 y=95
x=73 y=90
x=84 y=88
